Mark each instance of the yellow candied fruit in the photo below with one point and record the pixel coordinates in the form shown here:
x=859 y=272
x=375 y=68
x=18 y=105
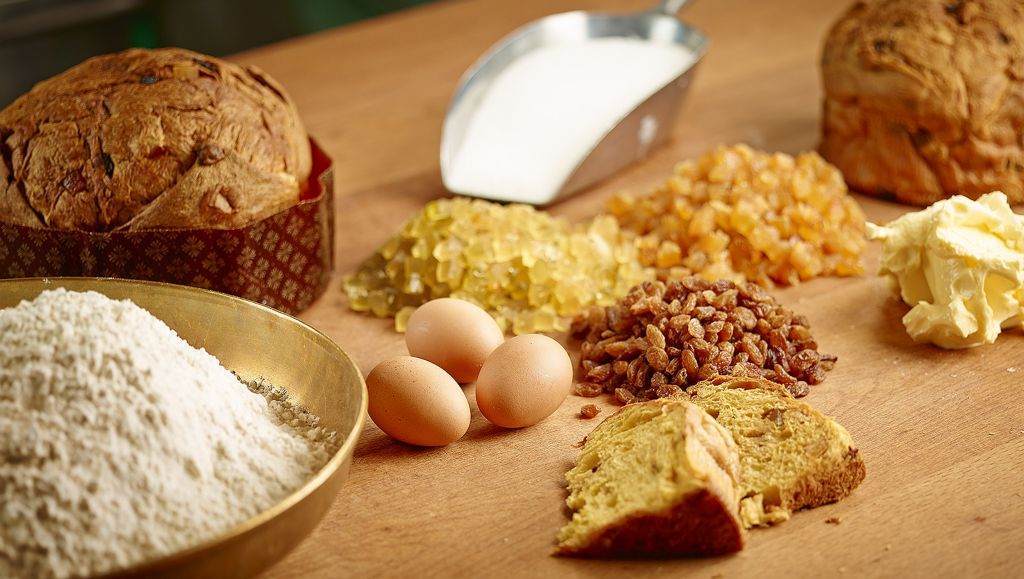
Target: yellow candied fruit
x=402 y=318
x=742 y=214
x=533 y=272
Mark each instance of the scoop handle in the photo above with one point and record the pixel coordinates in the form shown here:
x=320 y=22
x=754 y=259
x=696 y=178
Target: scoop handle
x=670 y=7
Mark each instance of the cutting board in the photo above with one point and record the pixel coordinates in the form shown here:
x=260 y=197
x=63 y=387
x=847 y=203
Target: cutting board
x=942 y=432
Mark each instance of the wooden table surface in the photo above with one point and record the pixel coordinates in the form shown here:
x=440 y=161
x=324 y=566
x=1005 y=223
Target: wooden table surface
x=941 y=431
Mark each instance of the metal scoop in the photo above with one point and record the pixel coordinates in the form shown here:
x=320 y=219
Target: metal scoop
x=630 y=138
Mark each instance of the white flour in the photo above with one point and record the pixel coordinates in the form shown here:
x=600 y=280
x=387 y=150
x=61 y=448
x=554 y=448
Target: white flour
x=120 y=442
x=541 y=115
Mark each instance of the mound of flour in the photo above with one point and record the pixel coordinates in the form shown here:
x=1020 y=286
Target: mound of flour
x=119 y=442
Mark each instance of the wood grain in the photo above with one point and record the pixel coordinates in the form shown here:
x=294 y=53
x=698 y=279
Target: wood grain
x=941 y=432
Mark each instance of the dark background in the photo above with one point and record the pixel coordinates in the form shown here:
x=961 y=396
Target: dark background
x=39 y=38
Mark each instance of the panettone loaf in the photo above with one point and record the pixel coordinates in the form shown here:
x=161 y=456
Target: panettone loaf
x=791 y=456
x=164 y=138
x=656 y=478
x=924 y=99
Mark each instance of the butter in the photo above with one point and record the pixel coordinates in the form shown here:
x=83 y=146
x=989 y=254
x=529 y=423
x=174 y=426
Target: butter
x=959 y=264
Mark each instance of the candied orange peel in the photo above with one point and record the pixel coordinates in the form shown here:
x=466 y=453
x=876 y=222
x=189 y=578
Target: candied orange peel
x=740 y=214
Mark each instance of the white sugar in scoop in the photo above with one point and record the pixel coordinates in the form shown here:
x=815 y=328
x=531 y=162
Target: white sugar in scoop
x=543 y=114
x=566 y=102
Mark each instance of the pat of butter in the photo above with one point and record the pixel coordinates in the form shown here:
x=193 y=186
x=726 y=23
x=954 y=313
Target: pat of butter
x=959 y=264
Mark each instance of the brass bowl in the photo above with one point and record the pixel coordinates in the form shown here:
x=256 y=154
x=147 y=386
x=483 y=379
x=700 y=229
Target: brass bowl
x=254 y=341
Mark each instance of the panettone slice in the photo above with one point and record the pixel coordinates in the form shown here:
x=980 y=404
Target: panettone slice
x=791 y=455
x=657 y=478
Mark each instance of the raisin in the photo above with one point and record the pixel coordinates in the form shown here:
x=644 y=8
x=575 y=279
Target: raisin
x=108 y=165
x=588 y=389
x=210 y=154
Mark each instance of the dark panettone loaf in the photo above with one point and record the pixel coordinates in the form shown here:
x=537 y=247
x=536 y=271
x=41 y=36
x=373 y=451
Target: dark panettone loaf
x=164 y=138
x=924 y=99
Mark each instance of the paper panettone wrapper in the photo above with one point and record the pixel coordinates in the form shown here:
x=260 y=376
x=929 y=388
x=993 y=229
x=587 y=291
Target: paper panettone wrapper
x=283 y=261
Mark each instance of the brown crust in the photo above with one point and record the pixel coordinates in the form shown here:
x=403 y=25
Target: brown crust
x=151 y=139
x=701 y=524
x=924 y=99
x=831 y=486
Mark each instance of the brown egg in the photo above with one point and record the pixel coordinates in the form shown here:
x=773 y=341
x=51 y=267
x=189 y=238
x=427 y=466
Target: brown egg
x=454 y=334
x=414 y=401
x=523 y=381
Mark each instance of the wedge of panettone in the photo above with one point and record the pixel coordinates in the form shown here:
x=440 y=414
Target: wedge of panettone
x=656 y=478
x=791 y=456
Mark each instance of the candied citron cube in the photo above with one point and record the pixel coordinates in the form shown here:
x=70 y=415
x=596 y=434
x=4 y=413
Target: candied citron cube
x=402 y=318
